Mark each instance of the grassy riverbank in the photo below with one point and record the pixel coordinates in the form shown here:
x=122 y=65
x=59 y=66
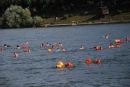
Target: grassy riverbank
x=123 y=17
x=89 y=18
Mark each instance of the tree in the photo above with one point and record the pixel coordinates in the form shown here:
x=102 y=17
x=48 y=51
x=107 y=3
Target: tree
x=15 y=16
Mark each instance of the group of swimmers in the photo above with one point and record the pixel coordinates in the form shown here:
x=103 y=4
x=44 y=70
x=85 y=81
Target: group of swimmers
x=50 y=48
x=53 y=47
x=117 y=41
x=57 y=49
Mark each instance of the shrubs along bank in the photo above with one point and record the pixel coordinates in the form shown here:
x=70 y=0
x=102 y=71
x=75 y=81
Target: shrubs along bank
x=16 y=17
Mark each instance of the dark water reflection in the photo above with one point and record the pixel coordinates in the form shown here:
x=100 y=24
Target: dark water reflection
x=37 y=68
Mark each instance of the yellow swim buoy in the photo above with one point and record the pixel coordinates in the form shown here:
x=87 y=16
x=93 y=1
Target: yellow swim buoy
x=60 y=64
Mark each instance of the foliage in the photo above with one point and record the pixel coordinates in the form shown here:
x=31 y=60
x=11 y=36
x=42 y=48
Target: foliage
x=119 y=11
x=66 y=16
x=29 y=22
x=42 y=5
x=15 y=16
x=37 y=21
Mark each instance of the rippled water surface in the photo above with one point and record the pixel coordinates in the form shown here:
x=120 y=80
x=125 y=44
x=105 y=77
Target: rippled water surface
x=37 y=68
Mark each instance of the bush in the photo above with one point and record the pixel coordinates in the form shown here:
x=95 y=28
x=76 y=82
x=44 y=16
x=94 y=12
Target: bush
x=37 y=21
x=66 y=16
x=29 y=22
x=15 y=17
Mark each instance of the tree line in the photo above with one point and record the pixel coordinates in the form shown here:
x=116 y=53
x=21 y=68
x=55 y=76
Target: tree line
x=17 y=13
x=44 y=5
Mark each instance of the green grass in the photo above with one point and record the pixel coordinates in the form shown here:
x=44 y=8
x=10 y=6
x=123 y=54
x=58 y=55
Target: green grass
x=91 y=18
x=1 y=20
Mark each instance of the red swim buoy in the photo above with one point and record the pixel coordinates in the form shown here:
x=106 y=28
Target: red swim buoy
x=97 y=61
x=68 y=64
x=24 y=46
x=120 y=41
x=88 y=61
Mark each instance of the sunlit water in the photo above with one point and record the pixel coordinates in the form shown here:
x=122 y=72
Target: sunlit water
x=38 y=68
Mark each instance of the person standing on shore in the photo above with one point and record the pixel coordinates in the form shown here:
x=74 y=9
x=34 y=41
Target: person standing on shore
x=56 y=19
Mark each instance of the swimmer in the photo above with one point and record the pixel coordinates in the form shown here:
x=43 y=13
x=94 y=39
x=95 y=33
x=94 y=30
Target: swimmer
x=106 y=36
x=58 y=50
x=111 y=45
x=82 y=47
x=54 y=46
x=99 y=48
x=60 y=44
x=15 y=54
x=17 y=47
x=47 y=44
x=6 y=45
x=42 y=45
x=63 y=50
x=127 y=39
x=96 y=47
x=26 y=43
x=117 y=46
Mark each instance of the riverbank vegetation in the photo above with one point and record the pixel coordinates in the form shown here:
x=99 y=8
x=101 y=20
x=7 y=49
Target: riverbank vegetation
x=39 y=13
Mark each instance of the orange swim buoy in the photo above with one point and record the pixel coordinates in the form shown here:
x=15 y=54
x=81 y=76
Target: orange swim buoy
x=68 y=64
x=27 y=50
x=49 y=50
x=118 y=41
x=97 y=61
x=88 y=61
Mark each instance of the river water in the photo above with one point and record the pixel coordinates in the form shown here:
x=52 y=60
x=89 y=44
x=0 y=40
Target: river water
x=38 y=67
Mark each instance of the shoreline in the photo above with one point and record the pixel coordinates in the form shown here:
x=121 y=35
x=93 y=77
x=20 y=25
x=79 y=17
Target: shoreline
x=70 y=24
x=80 y=24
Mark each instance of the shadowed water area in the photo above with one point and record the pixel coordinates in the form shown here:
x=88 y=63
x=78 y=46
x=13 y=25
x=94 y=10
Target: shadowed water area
x=38 y=67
